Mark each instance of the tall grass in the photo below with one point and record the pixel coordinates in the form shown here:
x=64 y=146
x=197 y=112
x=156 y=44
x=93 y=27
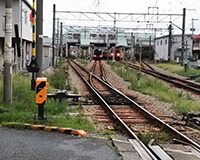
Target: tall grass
x=23 y=102
x=174 y=68
x=23 y=107
x=154 y=87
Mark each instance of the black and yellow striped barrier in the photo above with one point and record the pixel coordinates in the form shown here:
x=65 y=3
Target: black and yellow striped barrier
x=46 y=128
x=41 y=90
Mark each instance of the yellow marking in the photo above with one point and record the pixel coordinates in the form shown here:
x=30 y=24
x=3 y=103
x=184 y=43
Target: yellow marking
x=33 y=36
x=50 y=128
x=37 y=126
x=62 y=130
x=34 y=21
x=33 y=51
x=33 y=5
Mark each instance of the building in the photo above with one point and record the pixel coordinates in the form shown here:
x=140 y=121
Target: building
x=21 y=11
x=47 y=52
x=162 y=47
x=196 y=46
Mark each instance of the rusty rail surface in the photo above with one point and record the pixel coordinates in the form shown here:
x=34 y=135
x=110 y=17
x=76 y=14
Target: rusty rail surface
x=148 y=115
x=146 y=154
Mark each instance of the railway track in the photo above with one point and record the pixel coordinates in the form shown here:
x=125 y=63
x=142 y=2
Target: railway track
x=178 y=82
x=134 y=113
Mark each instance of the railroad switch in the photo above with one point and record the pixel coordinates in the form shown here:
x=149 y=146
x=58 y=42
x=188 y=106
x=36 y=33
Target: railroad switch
x=192 y=117
x=191 y=77
x=60 y=94
x=41 y=95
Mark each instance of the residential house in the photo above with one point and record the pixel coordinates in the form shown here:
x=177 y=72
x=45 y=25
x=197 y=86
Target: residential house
x=162 y=47
x=196 y=46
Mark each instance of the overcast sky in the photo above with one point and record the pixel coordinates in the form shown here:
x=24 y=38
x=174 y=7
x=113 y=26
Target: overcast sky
x=123 y=6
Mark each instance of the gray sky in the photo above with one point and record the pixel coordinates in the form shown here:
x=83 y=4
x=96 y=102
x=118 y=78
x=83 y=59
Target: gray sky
x=124 y=6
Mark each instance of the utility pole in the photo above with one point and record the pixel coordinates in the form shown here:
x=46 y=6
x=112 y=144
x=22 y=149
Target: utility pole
x=53 y=37
x=150 y=46
x=61 y=40
x=39 y=36
x=115 y=34
x=169 y=42
x=7 y=83
x=108 y=46
x=132 y=52
x=183 y=37
x=57 y=38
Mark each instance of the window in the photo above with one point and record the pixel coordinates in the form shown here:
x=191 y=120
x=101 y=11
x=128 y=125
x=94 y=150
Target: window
x=26 y=17
x=157 y=43
x=166 y=41
x=160 y=42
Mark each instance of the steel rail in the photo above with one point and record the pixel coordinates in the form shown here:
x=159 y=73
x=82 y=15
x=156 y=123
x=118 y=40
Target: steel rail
x=174 y=80
x=148 y=65
x=103 y=75
x=171 y=77
x=150 y=116
x=112 y=114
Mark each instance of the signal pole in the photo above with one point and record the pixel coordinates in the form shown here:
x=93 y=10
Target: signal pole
x=7 y=83
x=53 y=37
x=61 y=41
x=170 y=42
x=183 y=37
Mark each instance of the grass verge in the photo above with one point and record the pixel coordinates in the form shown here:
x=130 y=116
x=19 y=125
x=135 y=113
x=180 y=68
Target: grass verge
x=178 y=69
x=151 y=86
